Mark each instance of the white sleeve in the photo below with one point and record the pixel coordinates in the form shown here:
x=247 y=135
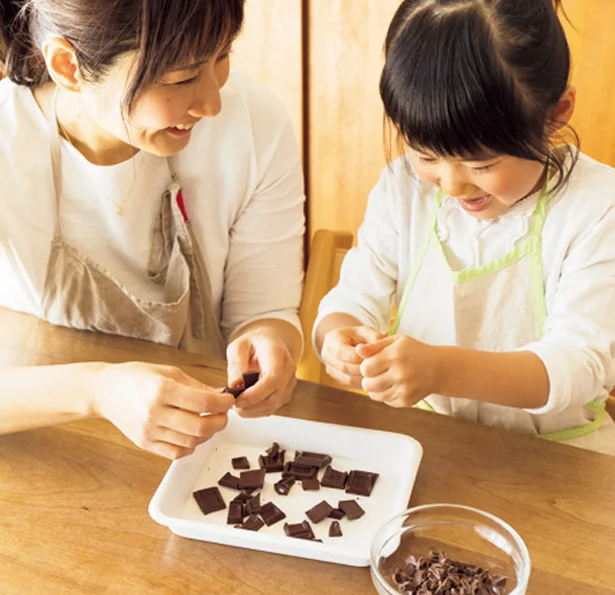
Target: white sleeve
x=368 y=277
x=264 y=268
x=578 y=344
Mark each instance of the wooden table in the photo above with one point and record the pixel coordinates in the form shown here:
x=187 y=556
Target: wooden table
x=73 y=498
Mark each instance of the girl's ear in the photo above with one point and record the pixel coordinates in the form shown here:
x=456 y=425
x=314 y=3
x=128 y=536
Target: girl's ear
x=62 y=64
x=561 y=114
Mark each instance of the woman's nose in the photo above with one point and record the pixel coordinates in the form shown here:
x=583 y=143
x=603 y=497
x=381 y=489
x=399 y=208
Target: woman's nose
x=208 y=101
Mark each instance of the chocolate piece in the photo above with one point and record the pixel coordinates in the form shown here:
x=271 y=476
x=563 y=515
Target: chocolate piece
x=337 y=514
x=273 y=462
x=249 y=379
x=299 y=472
x=253 y=523
x=283 y=486
x=240 y=463
x=271 y=514
x=310 y=484
x=335 y=530
x=334 y=479
x=229 y=481
x=312 y=459
x=252 y=479
x=361 y=483
x=436 y=573
x=300 y=530
x=273 y=450
x=235 y=513
x=319 y=512
x=242 y=497
x=209 y=500
x=352 y=509
x=253 y=505
x=235 y=391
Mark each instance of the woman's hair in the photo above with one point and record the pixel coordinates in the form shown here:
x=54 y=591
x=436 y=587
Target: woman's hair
x=166 y=34
x=465 y=77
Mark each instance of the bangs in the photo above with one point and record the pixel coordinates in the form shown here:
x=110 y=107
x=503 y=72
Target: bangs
x=175 y=34
x=444 y=92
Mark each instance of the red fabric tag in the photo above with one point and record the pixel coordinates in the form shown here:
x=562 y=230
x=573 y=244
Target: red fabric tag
x=181 y=205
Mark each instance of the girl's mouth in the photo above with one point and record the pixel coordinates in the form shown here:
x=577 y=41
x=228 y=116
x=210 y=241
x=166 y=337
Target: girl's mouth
x=475 y=205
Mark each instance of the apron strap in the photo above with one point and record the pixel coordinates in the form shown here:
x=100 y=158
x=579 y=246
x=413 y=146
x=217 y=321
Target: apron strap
x=56 y=162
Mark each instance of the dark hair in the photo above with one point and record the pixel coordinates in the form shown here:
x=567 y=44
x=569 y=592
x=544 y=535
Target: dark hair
x=166 y=34
x=467 y=76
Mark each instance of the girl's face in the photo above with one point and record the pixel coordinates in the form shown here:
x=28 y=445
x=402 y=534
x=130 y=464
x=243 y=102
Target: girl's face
x=165 y=112
x=485 y=187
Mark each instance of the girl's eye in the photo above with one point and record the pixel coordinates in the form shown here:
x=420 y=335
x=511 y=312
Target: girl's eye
x=186 y=82
x=224 y=56
x=426 y=159
x=483 y=168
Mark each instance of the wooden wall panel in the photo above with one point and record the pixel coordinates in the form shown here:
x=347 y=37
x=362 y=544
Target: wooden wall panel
x=345 y=112
x=592 y=42
x=270 y=50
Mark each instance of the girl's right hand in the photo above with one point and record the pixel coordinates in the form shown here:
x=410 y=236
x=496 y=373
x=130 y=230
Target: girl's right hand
x=340 y=354
x=159 y=407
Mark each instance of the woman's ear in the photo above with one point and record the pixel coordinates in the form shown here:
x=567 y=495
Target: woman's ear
x=62 y=64
x=562 y=113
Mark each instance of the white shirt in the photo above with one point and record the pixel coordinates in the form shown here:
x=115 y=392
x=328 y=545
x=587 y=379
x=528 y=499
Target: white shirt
x=578 y=251
x=242 y=185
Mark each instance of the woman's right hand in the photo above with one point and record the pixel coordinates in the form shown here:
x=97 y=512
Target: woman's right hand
x=160 y=408
x=340 y=354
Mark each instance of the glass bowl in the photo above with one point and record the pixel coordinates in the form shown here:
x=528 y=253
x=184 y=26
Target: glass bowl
x=465 y=534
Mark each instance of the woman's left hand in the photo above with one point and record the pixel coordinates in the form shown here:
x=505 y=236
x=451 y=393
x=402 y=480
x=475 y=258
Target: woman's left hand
x=262 y=351
x=399 y=371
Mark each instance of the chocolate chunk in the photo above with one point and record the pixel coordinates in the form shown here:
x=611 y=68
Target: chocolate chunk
x=229 y=481
x=335 y=530
x=273 y=462
x=334 y=479
x=252 y=479
x=298 y=472
x=319 y=512
x=273 y=450
x=253 y=523
x=361 y=483
x=312 y=459
x=235 y=513
x=209 y=500
x=271 y=514
x=300 y=530
x=250 y=379
x=283 y=486
x=310 y=484
x=337 y=513
x=351 y=509
x=253 y=505
x=242 y=497
x=240 y=463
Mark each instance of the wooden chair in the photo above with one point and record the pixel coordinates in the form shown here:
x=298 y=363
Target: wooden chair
x=323 y=272
x=610 y=405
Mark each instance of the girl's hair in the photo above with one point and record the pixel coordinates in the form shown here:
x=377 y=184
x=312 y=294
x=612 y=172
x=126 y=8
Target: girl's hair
x=465 y=77
x=166 y=34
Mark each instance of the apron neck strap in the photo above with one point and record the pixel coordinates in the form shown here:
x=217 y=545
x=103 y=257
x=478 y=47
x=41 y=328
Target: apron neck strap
x=56 y=161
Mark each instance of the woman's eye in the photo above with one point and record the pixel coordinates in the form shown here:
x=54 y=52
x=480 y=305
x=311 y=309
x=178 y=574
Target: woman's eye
x=187 y=81
x=426 y=159
x=223 y=56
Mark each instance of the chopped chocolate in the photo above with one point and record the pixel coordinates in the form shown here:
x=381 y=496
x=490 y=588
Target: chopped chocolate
x=436 y=573
x=273 y=450
x=319 y=512
x=271 y=514
x=334 y=479
x=235 y=513
x=272 y=463
x=300 y=530
x=283 y=486
x=253 y=505
x=335 y=530
x=312 y=459
x=235 y=391
x=310 y=484
x=337 y=514
x=242 y=497
x=352 y=509
x=253 y=523
x=361 y=483
x=229 y=481
x=209 y=500
x=240 y=463
x=299 y=472
x=252 y=479
x=249 y=379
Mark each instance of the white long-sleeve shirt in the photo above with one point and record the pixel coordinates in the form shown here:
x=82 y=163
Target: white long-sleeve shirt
x=242 y=185
x=578 y=251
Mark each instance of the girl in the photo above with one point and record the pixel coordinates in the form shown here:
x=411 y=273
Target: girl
x=492 y=237
x=145 y=192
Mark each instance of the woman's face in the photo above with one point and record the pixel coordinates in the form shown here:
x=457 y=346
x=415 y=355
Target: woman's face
x=163 y=113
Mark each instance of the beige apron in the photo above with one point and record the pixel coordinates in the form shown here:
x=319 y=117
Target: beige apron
x=80 y=293
x=498 y=307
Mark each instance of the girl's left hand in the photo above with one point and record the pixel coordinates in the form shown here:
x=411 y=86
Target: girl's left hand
x=398 y=370
x=261 y=351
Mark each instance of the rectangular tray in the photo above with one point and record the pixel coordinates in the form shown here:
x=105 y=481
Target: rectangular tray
x=394 y=456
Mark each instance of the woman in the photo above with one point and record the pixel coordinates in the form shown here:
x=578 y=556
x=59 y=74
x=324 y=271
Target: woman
x=145 y=192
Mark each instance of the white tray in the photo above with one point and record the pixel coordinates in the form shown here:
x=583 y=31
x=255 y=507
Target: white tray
x=394 y=456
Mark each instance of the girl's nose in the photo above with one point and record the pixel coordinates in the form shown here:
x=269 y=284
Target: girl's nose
x=453 y=183
x=208 y=101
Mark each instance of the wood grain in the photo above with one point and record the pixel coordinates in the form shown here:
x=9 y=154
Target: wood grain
x=74 y=498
